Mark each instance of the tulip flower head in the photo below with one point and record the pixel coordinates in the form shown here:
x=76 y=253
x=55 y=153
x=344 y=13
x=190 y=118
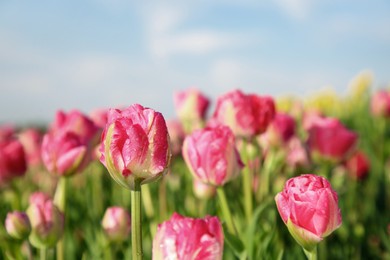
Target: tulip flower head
x=191 y=107
x=211 y=155
x=18 y=225
x=47 y=221
x=358 y=165
x=135 y=145
x=66 y=147
x=31 y=140
x=380 y=103
x=330 y=140
x=116 y=224
x=246 y=115
x=189 y=238
x=309 y=207
x=12 y=160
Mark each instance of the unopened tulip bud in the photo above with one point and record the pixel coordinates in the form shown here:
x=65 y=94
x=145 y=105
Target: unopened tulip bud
x=47 y=221
x=189 y=238
x=116 y=224
x=135 y=145
x=309 y=207
x=18 y=225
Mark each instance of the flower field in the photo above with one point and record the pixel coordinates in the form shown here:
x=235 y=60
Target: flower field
x=256 y=177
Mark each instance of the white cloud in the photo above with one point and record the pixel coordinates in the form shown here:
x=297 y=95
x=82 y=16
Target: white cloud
x=297 y=9
x=226 y=73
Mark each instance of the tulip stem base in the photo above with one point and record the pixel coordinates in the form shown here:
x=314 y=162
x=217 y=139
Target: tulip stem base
x=136 y=222
x=60 y=202
x=311 y=255
x=226 y=211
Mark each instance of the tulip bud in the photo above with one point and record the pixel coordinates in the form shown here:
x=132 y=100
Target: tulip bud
x=18 y=225
x=211 y=155
x=309 y=207
x=189 y=238
x=135 y=145
x=358 y=166
x=31 y=140
x=47 y=221
x=330 y=140
x=191 y=106
x=246 y=115
x=12 y=160
x=281 y=129
x=116 y=224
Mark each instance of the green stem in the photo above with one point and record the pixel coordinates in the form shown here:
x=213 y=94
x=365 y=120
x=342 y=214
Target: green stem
x=162 y=194
x=136 y=222
x=147 y=201
x=60 y=202
x=311 y=255
x=247 y=180
x=42 y=253
x=226 y=211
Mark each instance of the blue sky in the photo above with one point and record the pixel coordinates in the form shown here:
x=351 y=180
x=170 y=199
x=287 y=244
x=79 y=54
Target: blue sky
x=99 y=53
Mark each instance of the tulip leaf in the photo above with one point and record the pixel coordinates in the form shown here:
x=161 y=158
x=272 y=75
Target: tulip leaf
x=234 y=243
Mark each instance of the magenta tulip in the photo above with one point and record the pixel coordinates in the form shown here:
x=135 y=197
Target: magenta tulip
x=66 y=148
x=12 y=160
x=309 y=207
x=330 y=140
x=116 y=224
x=189 y=238
x=135 y=145
x=47 y=221
x=7 y=132
x=281 y=129
x=18 y=225
x=211 y=155
x=246 y=115
x=191 y=107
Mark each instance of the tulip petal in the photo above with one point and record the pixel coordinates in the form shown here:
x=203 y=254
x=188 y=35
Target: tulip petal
x=71 y=160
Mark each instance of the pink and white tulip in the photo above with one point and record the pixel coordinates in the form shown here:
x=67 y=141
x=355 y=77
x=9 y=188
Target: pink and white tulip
x=247 y=115
x=116 y=224
x=380 y=103
x=18 y=225
x=31 y=140
x=135 y=145
x=189 y=238
x=309 y=207
x=211 y=155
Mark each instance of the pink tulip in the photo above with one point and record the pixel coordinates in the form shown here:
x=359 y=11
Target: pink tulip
x=358 y=165
x=246 y=115
x=18 y=225
x=329 y=139
x=189 y=238
x=211 y=155
x=297 y=154
x=281 y=129
x=47 y=221
x=135 y=145
x=380 y=103
x=309 y=207
x=31 y=140
x=99 y=117
x=191 y=107
x=116 y=224
x=66 y=148
x=12 y=160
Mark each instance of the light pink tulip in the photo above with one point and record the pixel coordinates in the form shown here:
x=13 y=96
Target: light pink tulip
x=380 y=103
x=31 y=140
x=135 y=145
x=47 y=221
x=297 y=154
x=191 y=107
x=211 y=155
x=203 y=190
x=6 y=132
x=67 y=146
x=309 y=207
x=176 y=134
x=330 y=140
x=18 y=225
x=116 y=224
x=247 y=115
x=12 y=160
x=189 y=238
